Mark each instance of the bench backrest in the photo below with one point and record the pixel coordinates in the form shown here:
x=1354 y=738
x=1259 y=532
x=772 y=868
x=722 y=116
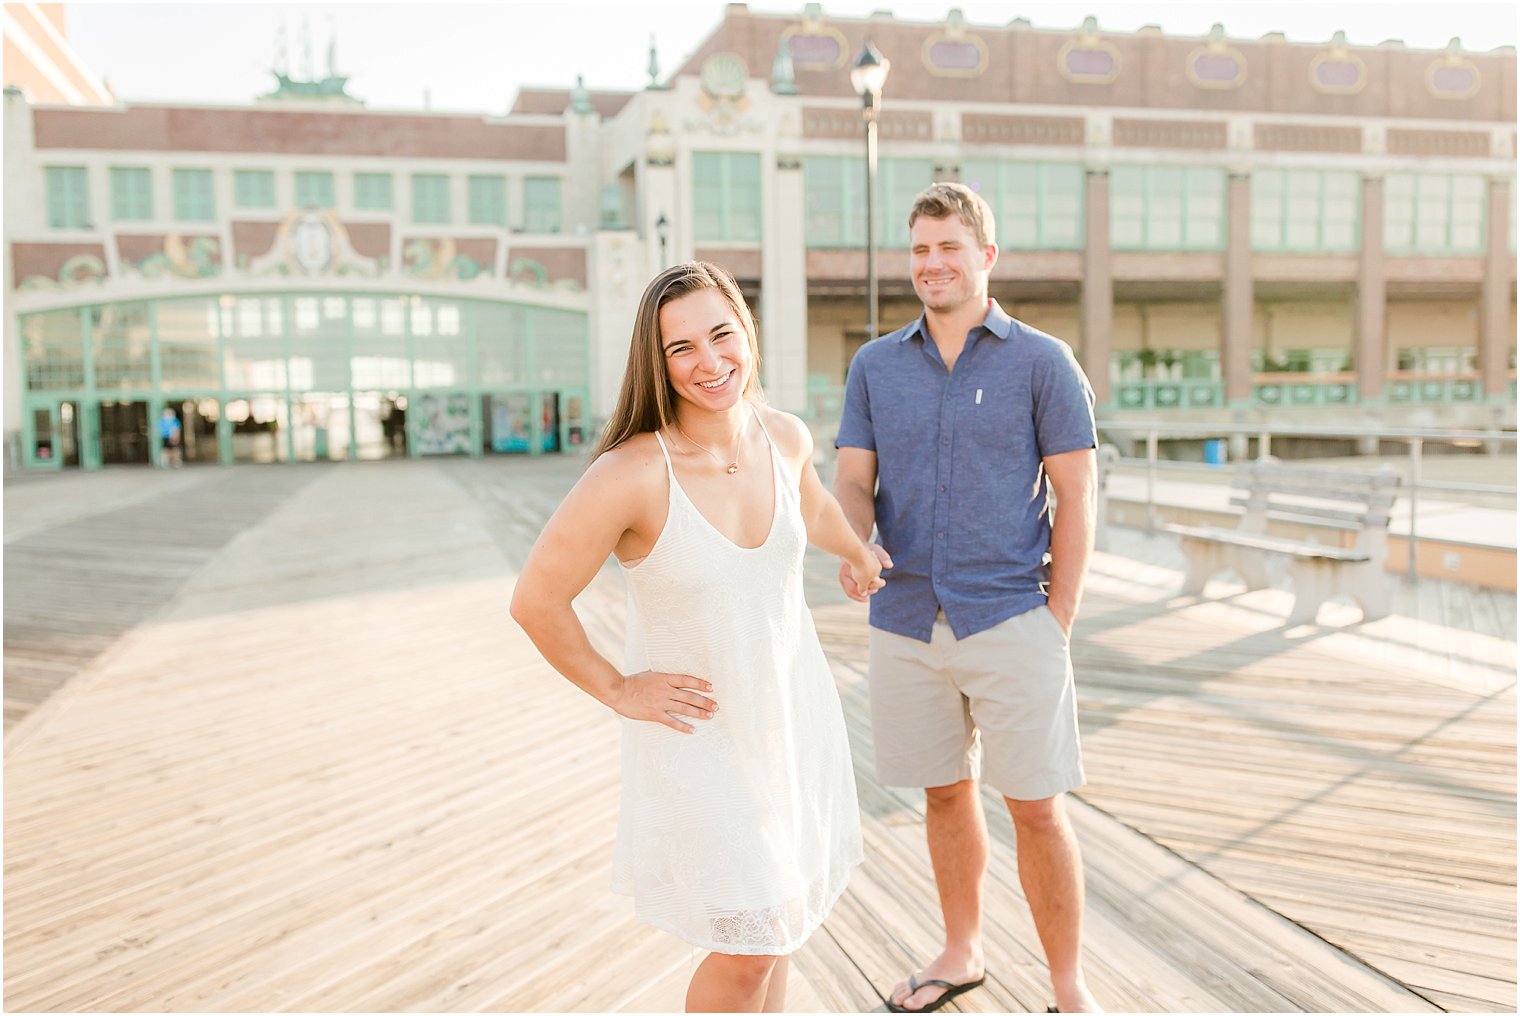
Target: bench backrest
x=1353 y=502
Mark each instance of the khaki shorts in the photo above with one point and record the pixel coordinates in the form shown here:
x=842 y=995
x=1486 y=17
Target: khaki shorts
x=1001 y=701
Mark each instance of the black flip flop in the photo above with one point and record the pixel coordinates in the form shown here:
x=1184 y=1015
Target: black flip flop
x=951 y=990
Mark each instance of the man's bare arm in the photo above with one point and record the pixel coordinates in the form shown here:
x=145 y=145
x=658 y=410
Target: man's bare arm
x=1074 y=479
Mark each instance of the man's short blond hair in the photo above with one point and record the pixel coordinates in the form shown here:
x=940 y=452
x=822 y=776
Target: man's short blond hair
x=942 y=200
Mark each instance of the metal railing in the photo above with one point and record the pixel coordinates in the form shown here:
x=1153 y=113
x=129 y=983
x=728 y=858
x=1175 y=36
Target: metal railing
x=1414 y=439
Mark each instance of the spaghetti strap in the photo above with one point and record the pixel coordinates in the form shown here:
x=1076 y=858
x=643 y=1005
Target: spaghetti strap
x=665 y=452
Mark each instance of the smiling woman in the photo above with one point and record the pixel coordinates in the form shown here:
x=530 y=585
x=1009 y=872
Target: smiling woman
x=738 y=828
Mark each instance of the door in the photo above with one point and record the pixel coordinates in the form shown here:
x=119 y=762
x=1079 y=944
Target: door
x=43 y=447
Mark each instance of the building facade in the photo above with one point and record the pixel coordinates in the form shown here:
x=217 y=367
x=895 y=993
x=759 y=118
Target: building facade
x=1223 y=229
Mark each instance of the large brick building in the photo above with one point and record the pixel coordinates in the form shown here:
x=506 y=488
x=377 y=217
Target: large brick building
x=1222 y=228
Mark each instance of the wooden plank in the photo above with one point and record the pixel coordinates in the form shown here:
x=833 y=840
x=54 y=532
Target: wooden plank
x=338 y=778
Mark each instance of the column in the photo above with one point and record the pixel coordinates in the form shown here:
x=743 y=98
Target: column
x=783 y=290
x=1494 y=335
x=1097 y=310
x=1239 y=294
x=1371 y=357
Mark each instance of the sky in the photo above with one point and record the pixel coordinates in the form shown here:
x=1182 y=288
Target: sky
x=475 y=57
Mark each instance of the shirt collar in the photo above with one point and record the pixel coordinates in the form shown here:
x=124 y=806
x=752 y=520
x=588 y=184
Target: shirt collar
x=997 y=322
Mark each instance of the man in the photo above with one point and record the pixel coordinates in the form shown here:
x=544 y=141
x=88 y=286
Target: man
x=955 y=429
x=170 y=435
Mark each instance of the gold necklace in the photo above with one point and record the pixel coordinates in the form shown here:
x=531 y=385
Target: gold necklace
x=733 y=466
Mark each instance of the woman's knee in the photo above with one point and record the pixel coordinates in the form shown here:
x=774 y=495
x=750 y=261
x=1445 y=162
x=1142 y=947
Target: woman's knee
x=749 y=971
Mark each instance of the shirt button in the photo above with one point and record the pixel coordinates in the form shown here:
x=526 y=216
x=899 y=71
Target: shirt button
x=939 y=536
x=944 y=441
x=942 y=488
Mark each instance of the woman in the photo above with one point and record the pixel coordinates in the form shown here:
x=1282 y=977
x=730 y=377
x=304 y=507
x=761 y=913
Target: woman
x=738 y=827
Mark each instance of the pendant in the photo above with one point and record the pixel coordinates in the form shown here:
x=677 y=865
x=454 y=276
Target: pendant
x=733 y=467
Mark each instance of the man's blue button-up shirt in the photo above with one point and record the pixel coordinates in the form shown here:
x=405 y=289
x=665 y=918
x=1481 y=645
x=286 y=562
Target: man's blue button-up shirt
x=961 y=498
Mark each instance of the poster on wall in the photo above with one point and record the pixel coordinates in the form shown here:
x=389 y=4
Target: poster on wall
x=443 y=424
x=509 y=422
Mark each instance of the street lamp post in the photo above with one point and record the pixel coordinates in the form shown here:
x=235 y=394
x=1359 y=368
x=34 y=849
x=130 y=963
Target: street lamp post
x=662 y=230
x=869 y=76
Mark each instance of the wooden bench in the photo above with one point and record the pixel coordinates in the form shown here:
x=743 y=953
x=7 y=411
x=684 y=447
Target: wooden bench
x=1351 y=508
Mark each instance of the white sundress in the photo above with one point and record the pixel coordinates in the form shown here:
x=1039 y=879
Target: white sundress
x=737 y=838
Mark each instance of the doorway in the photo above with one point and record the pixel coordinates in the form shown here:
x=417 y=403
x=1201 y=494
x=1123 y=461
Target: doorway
x=124 y=433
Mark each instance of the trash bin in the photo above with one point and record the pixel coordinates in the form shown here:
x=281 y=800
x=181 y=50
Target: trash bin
x=1213 y=451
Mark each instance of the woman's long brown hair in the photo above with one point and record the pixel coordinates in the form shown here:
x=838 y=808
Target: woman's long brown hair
x=646 y=401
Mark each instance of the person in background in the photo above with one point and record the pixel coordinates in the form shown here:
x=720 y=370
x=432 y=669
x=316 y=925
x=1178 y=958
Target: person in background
x=171 y=440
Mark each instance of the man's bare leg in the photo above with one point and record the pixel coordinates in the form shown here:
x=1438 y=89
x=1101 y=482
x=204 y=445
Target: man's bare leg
x=957 y=831
x=1050 y=870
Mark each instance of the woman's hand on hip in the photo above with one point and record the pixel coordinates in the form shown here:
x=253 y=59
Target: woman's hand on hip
x=664 y=698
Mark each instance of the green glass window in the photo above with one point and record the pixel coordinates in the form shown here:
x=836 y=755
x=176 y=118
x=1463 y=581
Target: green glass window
x=834 y=199
x=1166 y=208
x=541 y=204
x=121 y=346
x=1038 y=206
x=725 y=196
x=1431 y=213
x=53 y=348
x=187 y=343
x=372 y=192
x=253 y=188
x=194 y=199
x=131 y=194
x=488 y=200
x=68 y=197
x=316 y=190
x=430 y=198
x=1305 y=211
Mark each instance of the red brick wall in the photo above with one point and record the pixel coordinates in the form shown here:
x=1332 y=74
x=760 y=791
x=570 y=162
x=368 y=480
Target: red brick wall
x=559 y=262
x=45 y=259
x=168 y=128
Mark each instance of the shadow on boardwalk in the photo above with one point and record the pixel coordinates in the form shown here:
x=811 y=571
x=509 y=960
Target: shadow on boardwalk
x=304 y=761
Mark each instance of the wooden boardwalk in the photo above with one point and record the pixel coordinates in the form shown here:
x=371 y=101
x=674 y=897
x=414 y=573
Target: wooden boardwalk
x=325 y=772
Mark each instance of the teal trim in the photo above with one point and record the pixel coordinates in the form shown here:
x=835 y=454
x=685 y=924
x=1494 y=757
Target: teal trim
x=535 y=411
x=1303 y=391
x=156 y=372
x=287 y=312
x=1199 y=394
x=472 y=361
x=1438 y=391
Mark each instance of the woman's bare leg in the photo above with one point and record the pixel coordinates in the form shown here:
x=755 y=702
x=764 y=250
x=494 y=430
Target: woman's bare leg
x=775 y=993
x=725 y=983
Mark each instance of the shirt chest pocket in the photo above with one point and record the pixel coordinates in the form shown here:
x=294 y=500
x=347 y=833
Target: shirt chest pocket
x=996 y=417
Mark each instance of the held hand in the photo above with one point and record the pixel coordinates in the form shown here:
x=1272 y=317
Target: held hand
x=859 y=579
x=661 y=698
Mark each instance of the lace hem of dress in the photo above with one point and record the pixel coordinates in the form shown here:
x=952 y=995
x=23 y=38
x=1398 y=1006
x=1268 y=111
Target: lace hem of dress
x=773 y=931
